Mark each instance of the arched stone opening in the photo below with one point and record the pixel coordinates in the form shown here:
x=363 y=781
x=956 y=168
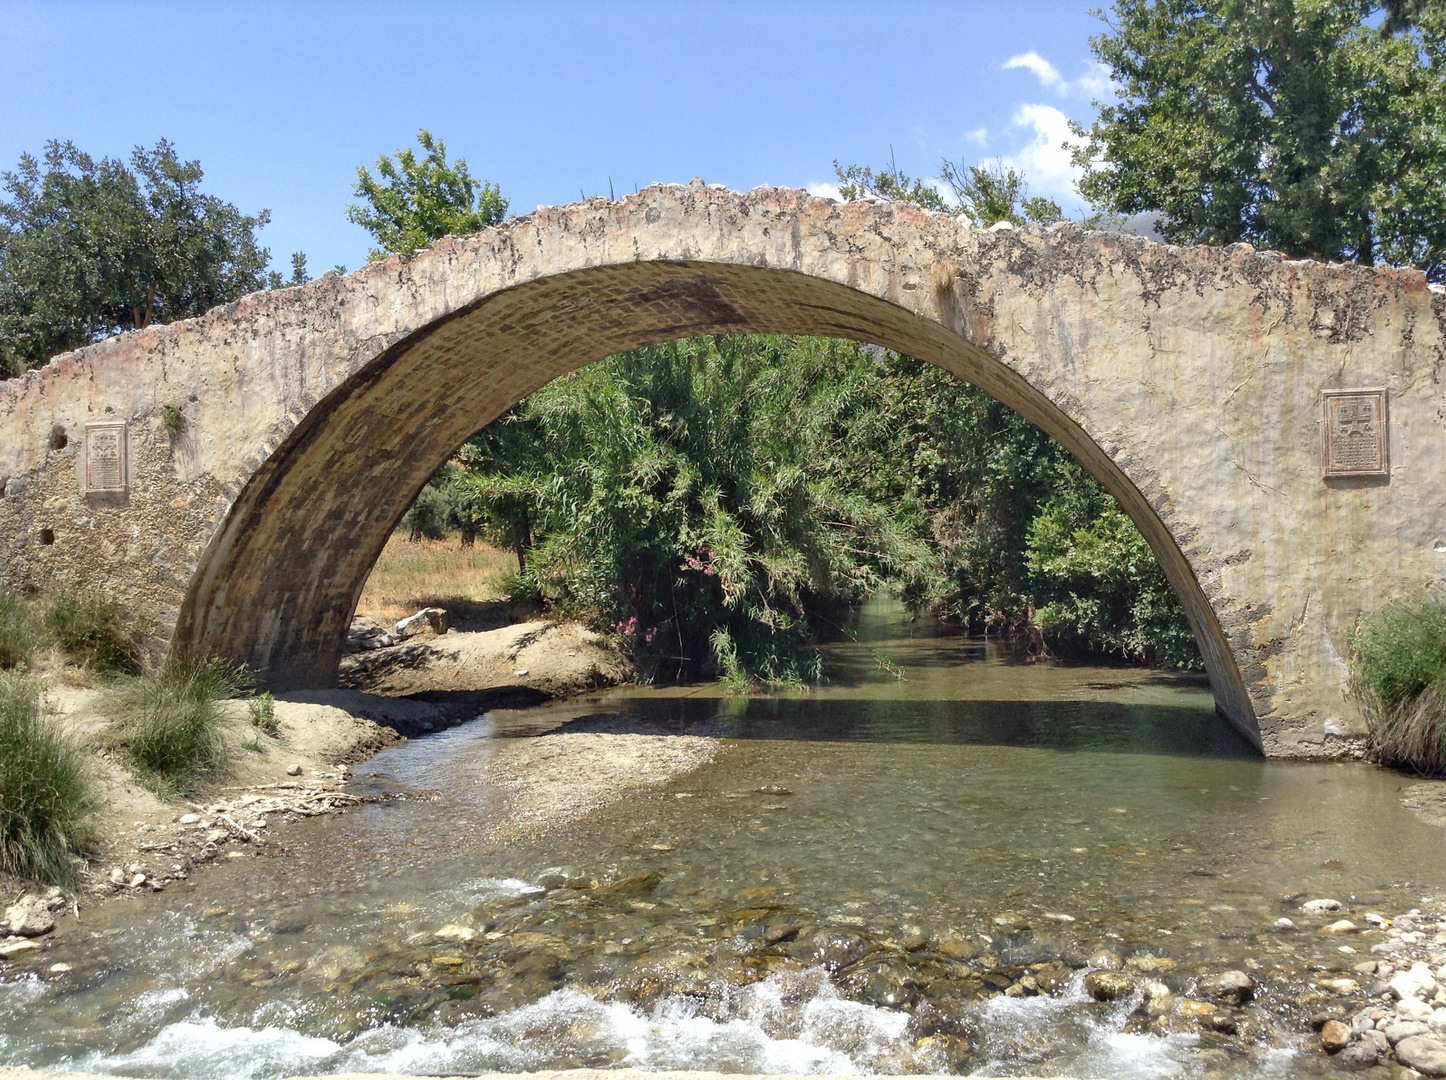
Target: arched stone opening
x=278 y=583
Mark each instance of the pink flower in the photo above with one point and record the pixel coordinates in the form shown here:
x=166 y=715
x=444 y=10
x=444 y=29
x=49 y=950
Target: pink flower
x=620 y=628
x=633 y=621
x=648 y=638
x=709 y=571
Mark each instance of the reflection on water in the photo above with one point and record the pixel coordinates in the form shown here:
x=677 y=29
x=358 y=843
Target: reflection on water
x=847 y=888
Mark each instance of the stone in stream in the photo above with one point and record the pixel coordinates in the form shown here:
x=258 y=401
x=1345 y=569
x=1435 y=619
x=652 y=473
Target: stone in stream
x=1229 y=987
x=1108 y=985
x=1396 y=1030
x=776 y=933
x=1010 y=922
x=1340 y=926
x=1414 y=1009
x=1106 y=960
x=955 y=947
x=1320 y=907
x=30 y=917
x=1424 y=1053
x=1335 y=1036
x=1283 y=923
x=1417 y=982
x=1365 y=1051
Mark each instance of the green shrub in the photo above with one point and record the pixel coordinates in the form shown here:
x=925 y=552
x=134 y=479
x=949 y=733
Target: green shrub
x=262 y=713
x=18 y=633
x=1398 y=673
x=169 y=721
x=45 y=787
x=94 y=630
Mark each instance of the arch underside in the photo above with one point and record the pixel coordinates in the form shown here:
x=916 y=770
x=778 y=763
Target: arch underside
x=279 y=582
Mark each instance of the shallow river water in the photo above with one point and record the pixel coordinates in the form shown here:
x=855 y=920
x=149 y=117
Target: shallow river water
x=848 y=887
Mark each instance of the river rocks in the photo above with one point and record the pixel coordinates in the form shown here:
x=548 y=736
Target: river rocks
x=1424 y=1053
x=1364 y=1051
x=954 y=947
x=1340 y=926
x=16 y=946
x=1414 y=1009
x=29 y=917
x=1335 y=1036
x=1108 y=985
x=777 y=933
x=1417 y=982
x=455 y=932
x=1229 y=987
x=1396 y=1030
x=1283 y=924
x=1010 y=922
x=1106 y=960
x=1341 y=987
x=1320 y=907
x=630 y=885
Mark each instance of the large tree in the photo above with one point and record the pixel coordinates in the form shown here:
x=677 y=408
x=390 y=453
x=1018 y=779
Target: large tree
x=89 y=248
x=1315 y=127
x=413 y=201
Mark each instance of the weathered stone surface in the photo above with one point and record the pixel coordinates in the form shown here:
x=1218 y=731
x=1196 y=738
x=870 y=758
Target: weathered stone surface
x=1335 y=1036
x=1230 y=987
x=1108 y=985
x=1189 y=381
x=1424 y=1053
x=29 y=917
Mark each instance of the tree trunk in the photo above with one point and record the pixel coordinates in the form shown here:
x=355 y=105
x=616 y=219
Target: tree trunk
x=469 y=537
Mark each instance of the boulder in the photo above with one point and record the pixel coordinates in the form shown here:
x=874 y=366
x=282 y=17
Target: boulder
x=1320 y=907
x=1335 y=1036
x=30 y=916
x=1229 y=987
x=429 y=620
x=1417 y=982
x=1106 y=960
x=1424 y=1053
x=1108 y=985
x=1365 y=1051
x=1396 y=1030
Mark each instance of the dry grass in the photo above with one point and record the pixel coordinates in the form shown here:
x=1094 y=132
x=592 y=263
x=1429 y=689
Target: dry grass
x=430 y=573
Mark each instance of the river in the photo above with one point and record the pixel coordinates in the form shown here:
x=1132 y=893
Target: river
x=847 y=887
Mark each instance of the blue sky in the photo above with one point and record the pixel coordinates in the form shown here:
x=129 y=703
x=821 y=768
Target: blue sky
x=282 y=101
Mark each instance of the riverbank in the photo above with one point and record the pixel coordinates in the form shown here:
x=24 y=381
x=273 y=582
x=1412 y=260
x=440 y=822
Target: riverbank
x=414 y=688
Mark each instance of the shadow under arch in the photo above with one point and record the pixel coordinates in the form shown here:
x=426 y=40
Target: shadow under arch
x=277 y=585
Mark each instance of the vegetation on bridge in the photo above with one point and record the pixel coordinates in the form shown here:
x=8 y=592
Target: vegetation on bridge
x=1398 y=673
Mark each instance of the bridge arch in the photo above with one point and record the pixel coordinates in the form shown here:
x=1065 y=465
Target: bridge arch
x=1186 y=380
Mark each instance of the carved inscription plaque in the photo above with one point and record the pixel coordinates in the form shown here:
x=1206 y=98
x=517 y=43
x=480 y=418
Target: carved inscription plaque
x=1356 y=441
x=105 y=458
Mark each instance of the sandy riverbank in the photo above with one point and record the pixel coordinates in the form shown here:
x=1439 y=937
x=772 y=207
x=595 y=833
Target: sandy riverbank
x=391 y=694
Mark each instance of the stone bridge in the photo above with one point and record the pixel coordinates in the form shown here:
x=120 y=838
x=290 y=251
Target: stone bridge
x=1275 y=428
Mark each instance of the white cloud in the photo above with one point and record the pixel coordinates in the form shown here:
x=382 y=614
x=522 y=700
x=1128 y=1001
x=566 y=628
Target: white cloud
x=1044 y=161
x=1095 y=82
x=979 y=135
x=825 y=191
x=1047 y=74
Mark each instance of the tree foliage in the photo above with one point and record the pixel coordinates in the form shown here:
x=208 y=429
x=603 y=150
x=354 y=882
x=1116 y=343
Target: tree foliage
x=1315 y=127
x=89 y=248
x=985 y=194
x=413 y=201
x=714 y=502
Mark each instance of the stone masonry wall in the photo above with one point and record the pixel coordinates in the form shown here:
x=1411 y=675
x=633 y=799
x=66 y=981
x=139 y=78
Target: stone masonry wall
x=1188 y=380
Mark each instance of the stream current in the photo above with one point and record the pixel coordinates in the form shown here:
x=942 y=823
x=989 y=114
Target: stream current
x=851 y=885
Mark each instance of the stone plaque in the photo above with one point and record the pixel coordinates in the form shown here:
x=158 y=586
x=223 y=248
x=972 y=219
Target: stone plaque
x=106 y=468
x=1355 y=433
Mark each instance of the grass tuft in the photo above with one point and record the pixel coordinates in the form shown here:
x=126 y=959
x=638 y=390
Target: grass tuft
x=19 y=636
x=94 y=631
x=46 y=794
x=1398 y=673
x=261 y=711
x=169 y=721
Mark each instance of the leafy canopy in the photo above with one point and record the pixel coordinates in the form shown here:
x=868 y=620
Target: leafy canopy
x=1315 y=127
x=90 y=248
x=412 y=202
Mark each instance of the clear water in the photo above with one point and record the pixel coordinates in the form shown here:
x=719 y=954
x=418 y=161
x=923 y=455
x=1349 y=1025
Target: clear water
x=1096 y=807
